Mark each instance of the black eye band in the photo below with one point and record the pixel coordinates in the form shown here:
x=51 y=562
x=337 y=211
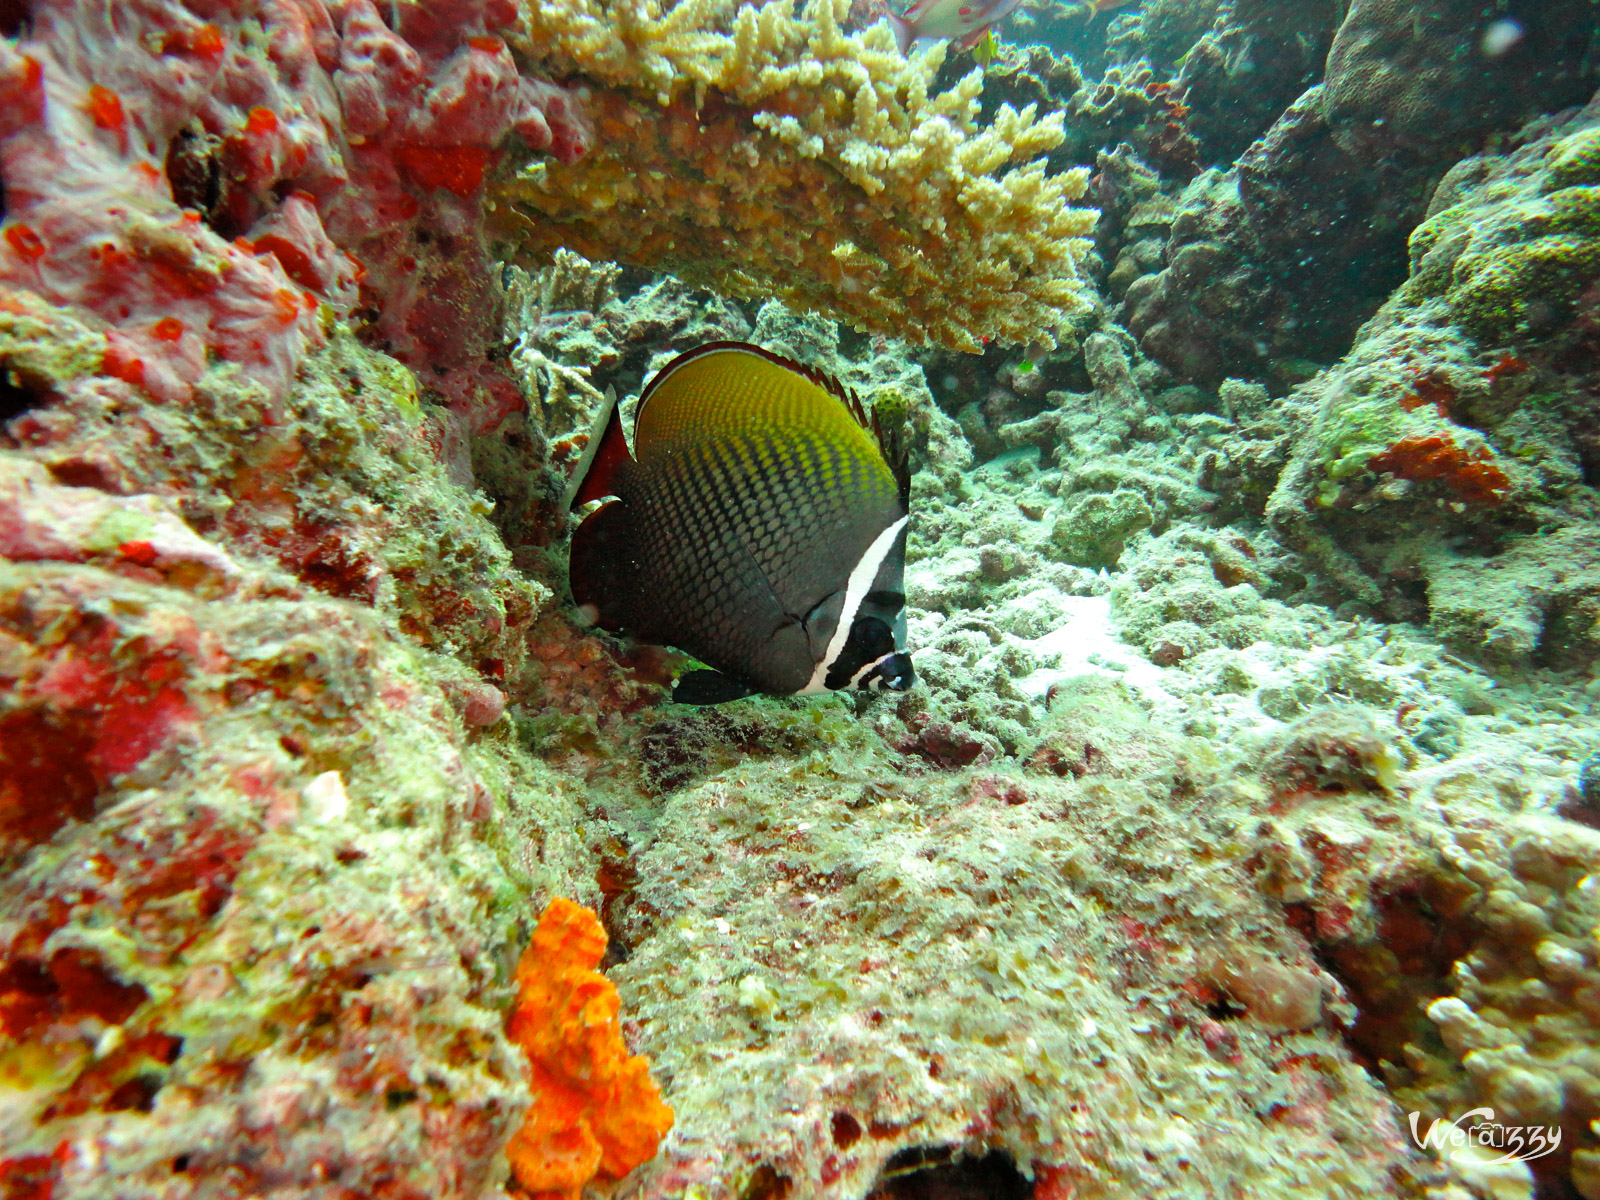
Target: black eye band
x=890 y=601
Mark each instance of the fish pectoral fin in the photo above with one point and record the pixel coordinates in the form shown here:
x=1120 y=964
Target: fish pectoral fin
x=968 y=40
x=709 y=687
x=820 y=622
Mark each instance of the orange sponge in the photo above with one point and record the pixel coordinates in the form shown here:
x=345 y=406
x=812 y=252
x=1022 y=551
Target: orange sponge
x=596 y=1111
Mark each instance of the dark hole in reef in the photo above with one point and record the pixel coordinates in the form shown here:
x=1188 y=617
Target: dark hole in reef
x=1408 y=599
x=13 y=16
x=136 y=1095
x=1225 y=1009
x=617 y=877
x=17 y=396
x=81 y=474
x=1589 y=462
x=1423 y=929
x=932 y=1173
x=1564 y=639
x=398 y=1098
x=767 y=1184
x=194 y=170
x=846 y=1130
x=180 y=1164
x=854 y=343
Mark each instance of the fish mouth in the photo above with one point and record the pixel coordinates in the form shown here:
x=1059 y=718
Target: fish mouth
x=890 y=673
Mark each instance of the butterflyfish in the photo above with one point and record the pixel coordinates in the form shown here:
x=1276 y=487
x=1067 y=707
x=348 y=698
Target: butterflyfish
x=759 y=525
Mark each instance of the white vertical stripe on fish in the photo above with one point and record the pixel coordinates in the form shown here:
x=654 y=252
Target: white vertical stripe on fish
x=855 y=591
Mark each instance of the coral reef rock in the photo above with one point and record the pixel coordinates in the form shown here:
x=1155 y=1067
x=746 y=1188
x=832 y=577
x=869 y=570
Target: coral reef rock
x=1446 y=465
x=1283 y=255
x=1246 y=810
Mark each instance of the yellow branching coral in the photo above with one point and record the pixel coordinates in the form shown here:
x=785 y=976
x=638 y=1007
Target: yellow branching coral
x=761 y=152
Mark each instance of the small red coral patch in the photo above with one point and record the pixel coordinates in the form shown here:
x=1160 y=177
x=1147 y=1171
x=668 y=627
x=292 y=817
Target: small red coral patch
x=1506 y=366
x=457 y=169
x=1430 y=387
x=45 y=779
x=31 y=1177
x=71 y=986
x=1472 y=475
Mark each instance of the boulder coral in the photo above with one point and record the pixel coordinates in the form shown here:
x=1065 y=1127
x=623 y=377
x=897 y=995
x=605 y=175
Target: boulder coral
x=1284 y=254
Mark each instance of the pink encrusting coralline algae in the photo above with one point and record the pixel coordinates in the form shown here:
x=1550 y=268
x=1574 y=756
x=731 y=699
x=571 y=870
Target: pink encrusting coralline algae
x=198 y=180
x=237 y=674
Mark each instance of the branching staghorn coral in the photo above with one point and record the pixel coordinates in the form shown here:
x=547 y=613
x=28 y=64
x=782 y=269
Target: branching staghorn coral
x=760 y=152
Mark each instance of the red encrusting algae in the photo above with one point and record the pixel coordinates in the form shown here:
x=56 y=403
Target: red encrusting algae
x=1472 y=475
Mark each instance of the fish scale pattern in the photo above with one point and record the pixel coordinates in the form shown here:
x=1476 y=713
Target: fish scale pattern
x=754 y=494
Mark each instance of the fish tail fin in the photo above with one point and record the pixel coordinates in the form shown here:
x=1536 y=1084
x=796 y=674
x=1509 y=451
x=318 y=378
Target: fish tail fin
x=904 y=34
x=598 y=568
x=593 y=477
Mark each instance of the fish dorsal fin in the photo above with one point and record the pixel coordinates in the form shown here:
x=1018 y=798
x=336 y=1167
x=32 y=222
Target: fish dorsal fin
x=648 y=420
x=896 y=447
x=595 y=475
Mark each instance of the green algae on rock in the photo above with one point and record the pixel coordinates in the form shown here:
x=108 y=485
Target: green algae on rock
x=1462 y=407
